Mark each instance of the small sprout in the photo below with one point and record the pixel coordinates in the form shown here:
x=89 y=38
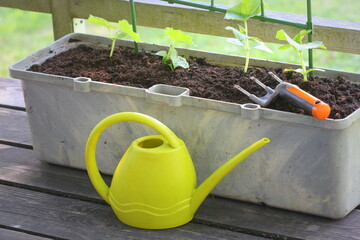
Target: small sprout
x=298 y=47
x=243 y=11
x=171 y=58
x=125 y=30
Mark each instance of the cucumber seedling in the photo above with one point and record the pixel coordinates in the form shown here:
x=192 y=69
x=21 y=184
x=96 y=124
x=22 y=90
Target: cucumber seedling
x=171 y=57
x=299 y=47
x=243 y=11
x=125 y=30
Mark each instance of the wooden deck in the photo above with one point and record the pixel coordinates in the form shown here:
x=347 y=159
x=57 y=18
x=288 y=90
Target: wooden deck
x=44 y=201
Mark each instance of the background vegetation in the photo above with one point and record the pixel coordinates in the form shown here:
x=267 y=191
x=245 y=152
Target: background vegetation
x=22 y=33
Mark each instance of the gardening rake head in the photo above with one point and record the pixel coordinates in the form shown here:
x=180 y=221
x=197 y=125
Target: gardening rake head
x=271 y=94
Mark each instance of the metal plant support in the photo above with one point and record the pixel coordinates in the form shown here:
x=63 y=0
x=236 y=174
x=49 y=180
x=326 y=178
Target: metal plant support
x=261 y=17
x=133 y=22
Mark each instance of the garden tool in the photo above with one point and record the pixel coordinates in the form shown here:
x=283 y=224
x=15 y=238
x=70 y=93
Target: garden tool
x=154 y=185
x=310 y=104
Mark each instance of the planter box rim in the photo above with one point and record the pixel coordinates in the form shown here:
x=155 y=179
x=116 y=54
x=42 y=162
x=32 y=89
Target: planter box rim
x=18 y=69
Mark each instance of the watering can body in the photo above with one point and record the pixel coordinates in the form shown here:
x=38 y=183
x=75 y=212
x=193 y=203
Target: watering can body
x=153 y=181
x=154 y=184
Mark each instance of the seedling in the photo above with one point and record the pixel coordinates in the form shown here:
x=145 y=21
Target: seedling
x=243 y=11
x=171 y=58
x=299 y=47
x=125 y=30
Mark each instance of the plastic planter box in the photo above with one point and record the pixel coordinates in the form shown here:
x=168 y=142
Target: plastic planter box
x=310 y=166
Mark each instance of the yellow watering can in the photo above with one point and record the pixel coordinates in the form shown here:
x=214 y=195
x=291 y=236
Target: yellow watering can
x=154 y=185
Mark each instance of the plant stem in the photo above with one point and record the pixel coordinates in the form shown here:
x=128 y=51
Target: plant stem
x=112 y=38
x=303 y=67
x=168 y=53
x=247 y=48
x=112 y=46
x=168 y=59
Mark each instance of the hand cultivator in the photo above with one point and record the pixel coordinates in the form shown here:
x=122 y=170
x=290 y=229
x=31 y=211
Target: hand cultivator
x=310 y=104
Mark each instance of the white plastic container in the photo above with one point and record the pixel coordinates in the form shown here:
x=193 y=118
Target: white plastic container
x=310 y=166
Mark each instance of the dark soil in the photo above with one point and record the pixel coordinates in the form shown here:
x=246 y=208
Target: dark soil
x=204 y=80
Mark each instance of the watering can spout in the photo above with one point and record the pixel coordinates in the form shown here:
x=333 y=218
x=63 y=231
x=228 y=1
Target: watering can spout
x=204 y=189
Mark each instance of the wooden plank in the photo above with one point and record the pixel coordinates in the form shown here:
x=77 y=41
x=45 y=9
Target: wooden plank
x=7 y=234
x=14 y=127
x=62 y=20
x=66 y=218
x=18 y=167
x=160 y=15
x=276 y=221
x=42 y=6
x=337 y=35
x=11 y=95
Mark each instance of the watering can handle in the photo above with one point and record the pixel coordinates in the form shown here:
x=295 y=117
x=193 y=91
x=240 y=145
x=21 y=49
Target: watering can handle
x=90 y=151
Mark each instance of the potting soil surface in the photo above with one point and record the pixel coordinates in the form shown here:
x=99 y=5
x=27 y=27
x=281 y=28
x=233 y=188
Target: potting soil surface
x=204 y=80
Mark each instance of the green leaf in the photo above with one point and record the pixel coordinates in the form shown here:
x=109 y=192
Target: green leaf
x=310 y=70
x=181 y=62
x=126 y=28
x=318 y=69
x=240 y=36
x=295 y=42
x=298 y=37
x=173 y=54
x=100 y=21
x=173 y=58
x=299 y=70
x=161 y=53
x=119 y=34
x=281 y=35
x=178 y=36
x=284 y=47
x=235 y=42
x=244 y=10
x=311 y=45
x=255 y=39
x=242 y=30
x=261 y=46
x=176 y=61
x=315 y=69
x=164 y=56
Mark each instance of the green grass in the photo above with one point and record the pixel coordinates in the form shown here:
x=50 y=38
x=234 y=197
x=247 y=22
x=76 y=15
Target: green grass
x=22 y=33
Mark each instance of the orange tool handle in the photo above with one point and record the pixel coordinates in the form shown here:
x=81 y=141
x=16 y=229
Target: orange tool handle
x=306 y=101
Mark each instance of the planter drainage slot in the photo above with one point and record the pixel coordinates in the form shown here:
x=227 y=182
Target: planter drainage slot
x=250 y=111
x=82 y=84
x=166 y=94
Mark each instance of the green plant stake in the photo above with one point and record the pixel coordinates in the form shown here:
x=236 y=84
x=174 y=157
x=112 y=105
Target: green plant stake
x=171 y=58
x=133 y=22
x=243 y=11
x=298 y=47
x=125 y=30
